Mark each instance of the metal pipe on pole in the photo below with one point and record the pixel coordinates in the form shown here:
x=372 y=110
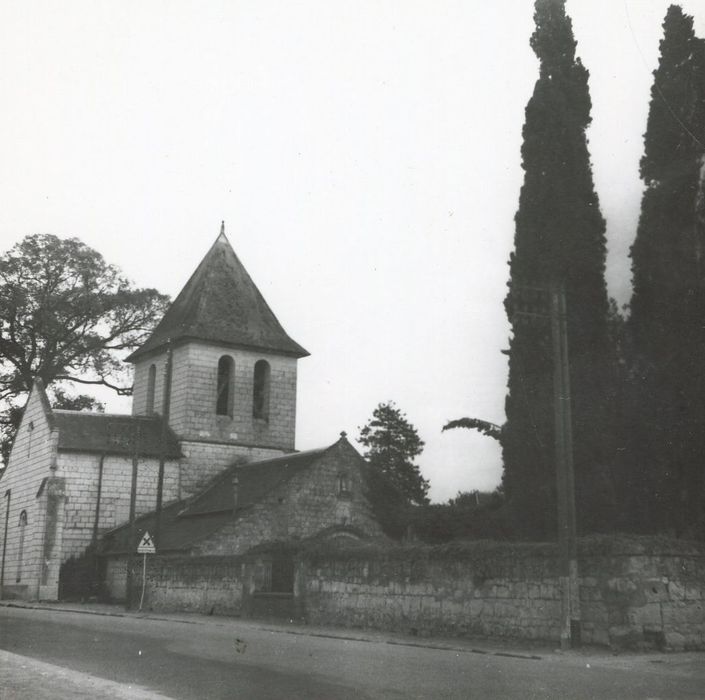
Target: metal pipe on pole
x=136 y=437
x=166 y=403
x=96 y=517
x=565 y=476
x=563 y=448
x=8 y=496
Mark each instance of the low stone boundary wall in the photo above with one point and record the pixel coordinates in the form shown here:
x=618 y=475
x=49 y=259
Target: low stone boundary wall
x=634 y=592
x=428 y=590
x=212 y=585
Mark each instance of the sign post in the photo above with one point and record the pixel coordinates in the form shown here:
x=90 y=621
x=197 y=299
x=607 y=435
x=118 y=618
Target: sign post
x=145 y=547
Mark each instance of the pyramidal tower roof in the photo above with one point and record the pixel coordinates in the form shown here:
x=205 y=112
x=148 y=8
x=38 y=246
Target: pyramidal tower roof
x=220 y=303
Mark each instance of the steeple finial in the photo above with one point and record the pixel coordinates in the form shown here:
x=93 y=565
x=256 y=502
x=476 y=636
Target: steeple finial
x=222 y=228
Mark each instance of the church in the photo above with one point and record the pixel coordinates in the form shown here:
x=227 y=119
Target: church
x=205 y=464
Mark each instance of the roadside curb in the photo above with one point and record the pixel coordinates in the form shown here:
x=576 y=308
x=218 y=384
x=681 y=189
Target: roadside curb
x=103 y=613
x=56 y=608
x=273 y=627
x=408 y=643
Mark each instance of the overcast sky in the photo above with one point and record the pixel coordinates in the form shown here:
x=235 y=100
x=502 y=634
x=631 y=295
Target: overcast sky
x=365 y=157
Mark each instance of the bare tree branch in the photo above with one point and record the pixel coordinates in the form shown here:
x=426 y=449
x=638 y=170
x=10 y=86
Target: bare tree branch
x=121 y=390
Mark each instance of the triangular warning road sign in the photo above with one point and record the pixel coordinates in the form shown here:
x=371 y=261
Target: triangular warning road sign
x=146 y=545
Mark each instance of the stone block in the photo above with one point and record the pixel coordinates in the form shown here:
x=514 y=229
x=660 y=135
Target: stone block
x=655 y=590
x=674 y=641
x=599 y=636
x=648 y=615
x=625 y=637
x=595 y=612
x=693 y=593
x=621 y=585
x=681 y=615
x=547 y=591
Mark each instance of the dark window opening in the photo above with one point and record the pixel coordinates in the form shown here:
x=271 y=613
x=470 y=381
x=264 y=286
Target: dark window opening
x=282 y=575
x=30 y=428
x=275 y=576
x=260 y=394
x=224 y=404
x=151 y=381
x=343 y=484
x=20 y=556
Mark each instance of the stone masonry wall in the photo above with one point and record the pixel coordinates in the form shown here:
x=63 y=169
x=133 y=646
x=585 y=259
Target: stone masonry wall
x=31 y=461
x=637 y=596
x=302 y=507
x=646 y=596
x=81 y=472
x=193 y=396
x=498 y=592
x=116 y=578
x=193 y=584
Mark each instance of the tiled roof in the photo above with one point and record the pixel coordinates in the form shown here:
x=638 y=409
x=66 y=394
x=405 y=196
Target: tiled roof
x=175 y=534
x=184 y=523
x=255 y=480
x=221 y=303
x=114 y=434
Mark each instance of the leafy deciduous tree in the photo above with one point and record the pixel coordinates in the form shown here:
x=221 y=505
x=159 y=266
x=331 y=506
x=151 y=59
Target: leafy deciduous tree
x=67 y=315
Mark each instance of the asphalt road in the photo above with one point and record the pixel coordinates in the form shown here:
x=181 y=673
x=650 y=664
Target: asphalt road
x=208 y=658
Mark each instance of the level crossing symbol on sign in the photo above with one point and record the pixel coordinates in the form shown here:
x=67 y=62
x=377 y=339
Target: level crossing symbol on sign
x=146 y=545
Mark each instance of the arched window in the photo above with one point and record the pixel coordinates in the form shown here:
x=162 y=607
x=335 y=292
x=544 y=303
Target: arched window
x=23 y=527
x=344 y=484
x=151 y=381
x=260 y=393
x=224 y=396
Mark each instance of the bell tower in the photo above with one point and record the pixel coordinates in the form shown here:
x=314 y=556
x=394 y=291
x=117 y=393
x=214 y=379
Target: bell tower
x=225 y=367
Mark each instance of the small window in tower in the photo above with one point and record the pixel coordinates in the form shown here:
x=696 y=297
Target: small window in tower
x=224 y=398
x=151 y=380
x=260 y=394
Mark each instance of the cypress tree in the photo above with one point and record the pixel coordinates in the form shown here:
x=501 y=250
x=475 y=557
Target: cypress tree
x=668 y=303
x=559 y=239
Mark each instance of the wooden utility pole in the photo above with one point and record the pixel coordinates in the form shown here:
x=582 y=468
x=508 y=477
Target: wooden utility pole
x=556 y=311
x=565 y=478
x=136 y=438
